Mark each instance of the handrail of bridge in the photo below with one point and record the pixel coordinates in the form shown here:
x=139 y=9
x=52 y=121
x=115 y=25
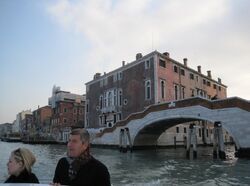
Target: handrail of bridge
x=194 y=101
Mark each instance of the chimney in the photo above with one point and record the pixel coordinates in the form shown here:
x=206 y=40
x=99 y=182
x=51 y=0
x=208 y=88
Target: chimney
x=199 y=68
x=138 y=56
x=209 y=74
x=97 y=75
x=219 y=80
x=166 y=54
x=123 y=63
x=185 y=61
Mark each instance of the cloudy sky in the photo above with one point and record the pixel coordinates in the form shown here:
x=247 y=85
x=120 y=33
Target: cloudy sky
x=65 y=42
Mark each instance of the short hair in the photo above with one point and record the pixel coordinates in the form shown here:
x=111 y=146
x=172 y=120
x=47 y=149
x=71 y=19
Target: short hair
x=84 y=134
x=25 y=156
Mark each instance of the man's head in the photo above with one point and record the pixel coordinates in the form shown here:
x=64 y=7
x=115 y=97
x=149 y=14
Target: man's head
x=78 y=142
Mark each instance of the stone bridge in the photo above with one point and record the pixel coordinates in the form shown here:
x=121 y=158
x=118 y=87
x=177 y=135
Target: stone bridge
x=146 y=127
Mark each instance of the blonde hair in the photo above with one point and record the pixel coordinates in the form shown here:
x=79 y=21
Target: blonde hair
x=25 y=156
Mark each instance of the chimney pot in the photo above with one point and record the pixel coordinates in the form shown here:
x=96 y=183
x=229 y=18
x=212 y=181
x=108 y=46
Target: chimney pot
x=123 y=63
x=199 y=68
x=219 y=80
x=185 y=61
x=97 y=75
x=138 y=56
x=209 y=74
x=166 y=54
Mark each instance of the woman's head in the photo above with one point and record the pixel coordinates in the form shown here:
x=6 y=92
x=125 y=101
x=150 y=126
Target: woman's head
x=20 y=159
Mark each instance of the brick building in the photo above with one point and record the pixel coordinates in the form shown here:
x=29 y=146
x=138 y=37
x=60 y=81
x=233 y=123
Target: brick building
x=67 y=112
x=150 y=79
x=42 y=121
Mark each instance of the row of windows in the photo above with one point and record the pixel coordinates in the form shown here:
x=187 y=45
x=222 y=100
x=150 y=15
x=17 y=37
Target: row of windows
x=65 y=120
x=191 y=76
x=65 y=110
x=199 y=131
x=111 y=97
x=116 y=77
x=103 y=119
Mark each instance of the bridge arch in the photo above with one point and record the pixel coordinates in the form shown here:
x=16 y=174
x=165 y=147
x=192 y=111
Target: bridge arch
x=149 y=133
x=144 y=127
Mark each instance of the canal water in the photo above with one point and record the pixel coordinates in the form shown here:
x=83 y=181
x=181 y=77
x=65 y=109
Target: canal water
x=147 y=167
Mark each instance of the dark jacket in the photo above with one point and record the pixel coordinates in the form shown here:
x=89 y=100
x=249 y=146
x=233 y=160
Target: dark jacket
x=93 y=173
x=24 y=177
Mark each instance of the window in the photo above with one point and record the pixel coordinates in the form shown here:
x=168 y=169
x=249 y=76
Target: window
x=115 y=97
x=183 y=72
x=109 y=99
x=105 y=81
x=176 y=91
x=183 y=92
x=65 y=109
x=162 y=63
x=215 y=86
x=147 y=64
x=147 y=90
x=219 y=88
x=191 y=76
x=119 y=75
x=101 y=102
x=176 y=69
x=185 y=130
x=114 y=118
x=162 y=89
x=101 y=83
x=204 y=81
x=105 y=99
x=115 y=77
x=177 y=129
x=199 y=132
x=208 y=83
x=197 y=78
x=64 y=120
x=120 y=97
x=192 y=92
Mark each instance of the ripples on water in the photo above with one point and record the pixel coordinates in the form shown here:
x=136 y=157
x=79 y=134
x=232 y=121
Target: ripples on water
x=149 y=167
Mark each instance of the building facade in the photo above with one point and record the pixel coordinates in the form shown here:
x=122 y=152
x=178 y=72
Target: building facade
x=67 y=112
x=150 y=79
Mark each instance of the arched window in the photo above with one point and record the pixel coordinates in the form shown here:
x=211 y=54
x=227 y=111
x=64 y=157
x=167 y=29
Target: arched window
x=120 y=98
x=176 y=92
x=109 y=99
x=101 y=102
x=148 y=90
x=162 y=89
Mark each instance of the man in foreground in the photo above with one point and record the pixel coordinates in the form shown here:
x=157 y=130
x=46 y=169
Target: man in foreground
x=79 y=167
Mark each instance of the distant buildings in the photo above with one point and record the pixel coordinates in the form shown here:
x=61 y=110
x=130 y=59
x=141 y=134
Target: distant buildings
x=67 y=112
x=5 y=129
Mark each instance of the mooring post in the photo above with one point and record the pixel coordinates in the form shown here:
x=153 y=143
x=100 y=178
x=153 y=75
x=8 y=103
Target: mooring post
x=188 y=142
x=215 y=141
x=129 y=139
x=120 y=140
x=194 y=142
x=222 y=154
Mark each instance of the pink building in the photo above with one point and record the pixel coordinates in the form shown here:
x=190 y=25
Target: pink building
x=150 y=79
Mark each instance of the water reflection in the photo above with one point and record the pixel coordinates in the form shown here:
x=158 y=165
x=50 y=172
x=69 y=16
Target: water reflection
x=149 y=167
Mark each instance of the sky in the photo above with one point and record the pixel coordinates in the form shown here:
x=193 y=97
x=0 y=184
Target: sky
x=65 y=42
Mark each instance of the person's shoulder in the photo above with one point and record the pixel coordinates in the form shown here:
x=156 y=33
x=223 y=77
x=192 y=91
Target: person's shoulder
x=98 y=164
x=33 y=178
